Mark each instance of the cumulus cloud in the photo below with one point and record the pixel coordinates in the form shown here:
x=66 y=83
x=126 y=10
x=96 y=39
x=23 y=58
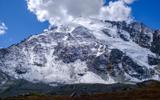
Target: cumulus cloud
x=63 y=11
x=3 y=28
x=117 y=11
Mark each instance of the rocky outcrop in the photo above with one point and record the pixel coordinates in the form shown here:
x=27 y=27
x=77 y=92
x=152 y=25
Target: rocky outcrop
x=152 y=60
x=156 y=42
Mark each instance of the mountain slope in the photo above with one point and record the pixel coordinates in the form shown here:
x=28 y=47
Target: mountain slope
x=149 y=90
x=86 y=51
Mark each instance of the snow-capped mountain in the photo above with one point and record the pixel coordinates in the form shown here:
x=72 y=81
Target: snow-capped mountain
x=86 y=51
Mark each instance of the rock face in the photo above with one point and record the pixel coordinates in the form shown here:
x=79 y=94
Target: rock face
x=89 y=51
x=156 y=42
x=3 y=79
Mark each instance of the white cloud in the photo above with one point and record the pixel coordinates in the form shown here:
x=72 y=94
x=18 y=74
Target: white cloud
x=62 y=11
x=128 y=1
x=3 y=28
x=117 y=11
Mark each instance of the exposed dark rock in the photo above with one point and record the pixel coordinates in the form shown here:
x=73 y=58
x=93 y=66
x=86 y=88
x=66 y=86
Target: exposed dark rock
x=106 y=31
x=156 y=42
x=82 y=32
x=153 y=60
x=134 y=69
x=138 y=32
x=115 y=56
x=124 y=37
x=3 y=52
x=21 y=70
x=99 y=63
x=71 y=54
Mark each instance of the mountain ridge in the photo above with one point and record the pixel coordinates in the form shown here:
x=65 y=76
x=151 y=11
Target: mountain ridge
x=87 y=51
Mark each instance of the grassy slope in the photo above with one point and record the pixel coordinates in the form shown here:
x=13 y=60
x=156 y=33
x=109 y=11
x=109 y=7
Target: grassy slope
x=145 y=91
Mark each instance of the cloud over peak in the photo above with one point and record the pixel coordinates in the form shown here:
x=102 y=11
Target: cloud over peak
x=3 y=28
x=117 y=11
x=63 y=11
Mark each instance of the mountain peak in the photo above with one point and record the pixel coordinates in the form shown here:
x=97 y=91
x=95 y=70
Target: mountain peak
x=86 y=51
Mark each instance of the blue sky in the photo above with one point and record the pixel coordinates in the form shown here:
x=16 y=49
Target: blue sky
x=21 y=23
